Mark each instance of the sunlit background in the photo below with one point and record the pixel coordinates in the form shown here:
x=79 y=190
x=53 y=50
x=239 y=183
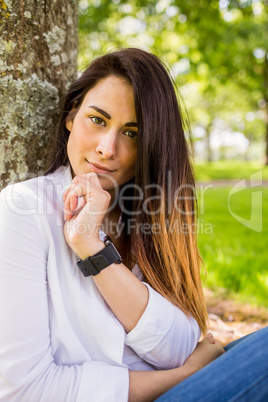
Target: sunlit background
x=217 y=53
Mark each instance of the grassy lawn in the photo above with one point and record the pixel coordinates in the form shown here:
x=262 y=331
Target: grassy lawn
x=235 y=256
x=229 y=170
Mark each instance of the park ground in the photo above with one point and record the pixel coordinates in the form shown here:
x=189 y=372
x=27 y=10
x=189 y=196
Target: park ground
x=229 y=320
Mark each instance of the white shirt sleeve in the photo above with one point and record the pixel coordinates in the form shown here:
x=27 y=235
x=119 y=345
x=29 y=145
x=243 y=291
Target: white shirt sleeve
x=28 y=371
x=164 y=335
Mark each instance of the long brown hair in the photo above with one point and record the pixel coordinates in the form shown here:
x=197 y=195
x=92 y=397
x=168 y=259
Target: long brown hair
x=164 y=234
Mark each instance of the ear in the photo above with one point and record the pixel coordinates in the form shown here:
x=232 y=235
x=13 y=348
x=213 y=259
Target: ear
x=70 y=118
x=68 y=123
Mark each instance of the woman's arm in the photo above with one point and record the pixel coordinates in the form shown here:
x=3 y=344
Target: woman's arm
x=27 y=367
x=164 y=336
x=124 y=293
x=28 y=371
x=147 y=386
x=157 y=330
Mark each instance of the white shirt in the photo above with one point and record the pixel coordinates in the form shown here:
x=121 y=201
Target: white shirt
x=59 y=340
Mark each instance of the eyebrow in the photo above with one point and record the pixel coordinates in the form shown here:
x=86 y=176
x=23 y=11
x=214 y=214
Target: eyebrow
x=101 y=111
x=105 y=114
x=131 y=124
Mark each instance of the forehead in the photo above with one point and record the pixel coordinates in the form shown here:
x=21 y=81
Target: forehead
x=110 y=85
x=114 y=95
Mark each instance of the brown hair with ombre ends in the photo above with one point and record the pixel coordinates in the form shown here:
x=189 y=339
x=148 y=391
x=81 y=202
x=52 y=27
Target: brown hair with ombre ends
x=168 y=257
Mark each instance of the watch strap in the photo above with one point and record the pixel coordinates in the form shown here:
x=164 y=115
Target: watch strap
x=95 y=264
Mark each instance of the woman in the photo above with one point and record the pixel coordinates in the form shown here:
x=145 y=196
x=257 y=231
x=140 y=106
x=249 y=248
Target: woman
x=87 y=317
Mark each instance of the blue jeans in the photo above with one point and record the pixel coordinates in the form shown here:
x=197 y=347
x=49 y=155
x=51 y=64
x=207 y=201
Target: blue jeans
x=240 y=374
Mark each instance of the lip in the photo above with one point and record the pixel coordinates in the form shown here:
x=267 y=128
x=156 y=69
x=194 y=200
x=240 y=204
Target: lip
x=99 y=169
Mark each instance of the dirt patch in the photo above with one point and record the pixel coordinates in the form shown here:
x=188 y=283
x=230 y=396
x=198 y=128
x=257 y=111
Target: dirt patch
x=229 y=320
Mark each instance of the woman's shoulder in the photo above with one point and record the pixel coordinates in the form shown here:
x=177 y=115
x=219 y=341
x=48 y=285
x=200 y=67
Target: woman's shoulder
x=42 y=193
x=38 y=186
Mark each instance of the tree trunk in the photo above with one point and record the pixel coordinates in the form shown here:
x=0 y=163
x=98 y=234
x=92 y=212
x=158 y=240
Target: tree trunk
x=207 y=142
x=266 y=137
x=38 y=58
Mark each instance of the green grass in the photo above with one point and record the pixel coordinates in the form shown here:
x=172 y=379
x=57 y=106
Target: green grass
x=235 y=256
x=229 y=170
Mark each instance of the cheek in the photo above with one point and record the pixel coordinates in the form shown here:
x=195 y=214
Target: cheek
x=130 y=165
x=70 y=146
x=74 y=148
x=75 y=143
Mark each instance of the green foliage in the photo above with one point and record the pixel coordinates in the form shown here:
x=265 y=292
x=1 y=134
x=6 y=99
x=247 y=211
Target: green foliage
x=231 y=170
x=216 y=51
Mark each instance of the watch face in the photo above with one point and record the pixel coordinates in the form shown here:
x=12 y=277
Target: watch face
x=107 y=241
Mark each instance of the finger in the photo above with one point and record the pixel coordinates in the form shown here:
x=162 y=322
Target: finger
x=71 y=197
x=84 y=186
x=68 y=199
x=81 y=187
x=211 y=337
x=219 y=344
x=80 y=193
x=83 y=181
x=70 y=187
x=76 y=192
x=65 y=194
x=94 y=179
x=66 y=203
x=67 y=210
x=89 y=179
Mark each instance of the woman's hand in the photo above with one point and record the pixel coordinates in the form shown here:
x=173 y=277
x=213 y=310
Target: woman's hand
x=146 y=386
x=85 y=205
x=205 y=352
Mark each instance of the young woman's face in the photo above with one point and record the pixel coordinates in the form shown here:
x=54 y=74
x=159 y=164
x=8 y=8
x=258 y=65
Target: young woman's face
x=103 y=133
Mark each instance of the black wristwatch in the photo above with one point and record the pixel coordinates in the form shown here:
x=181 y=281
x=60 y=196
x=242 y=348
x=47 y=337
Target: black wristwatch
x=95 y=264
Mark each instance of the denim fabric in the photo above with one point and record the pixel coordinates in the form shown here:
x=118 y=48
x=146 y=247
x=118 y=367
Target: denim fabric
x=240 y=374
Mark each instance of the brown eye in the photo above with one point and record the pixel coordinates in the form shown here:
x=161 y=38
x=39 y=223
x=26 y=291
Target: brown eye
x=131 y=134
x=98 y=120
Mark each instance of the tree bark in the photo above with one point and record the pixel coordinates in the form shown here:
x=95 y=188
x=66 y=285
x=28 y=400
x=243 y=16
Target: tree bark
x=38 y=58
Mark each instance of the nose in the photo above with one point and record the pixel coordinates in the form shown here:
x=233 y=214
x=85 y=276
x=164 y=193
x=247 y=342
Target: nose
x=107 y=145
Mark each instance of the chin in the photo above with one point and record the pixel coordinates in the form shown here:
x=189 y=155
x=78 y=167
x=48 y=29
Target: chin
x=108 y=184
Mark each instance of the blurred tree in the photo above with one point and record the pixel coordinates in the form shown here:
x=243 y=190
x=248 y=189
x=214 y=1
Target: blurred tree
x=214 y=42
x=242 y=59
x=210 y=105
x=38 y=58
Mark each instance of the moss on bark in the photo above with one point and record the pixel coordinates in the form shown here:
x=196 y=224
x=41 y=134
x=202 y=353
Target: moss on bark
x=38 y=59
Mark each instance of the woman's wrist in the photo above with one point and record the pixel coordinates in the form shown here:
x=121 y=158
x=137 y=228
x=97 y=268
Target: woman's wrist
x=146 y=386
x=89 y=248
